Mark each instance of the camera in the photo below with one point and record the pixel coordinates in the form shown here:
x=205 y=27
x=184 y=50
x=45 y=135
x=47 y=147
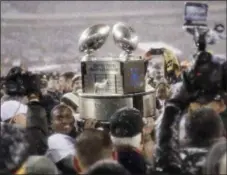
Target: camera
x=20 y=82
x=195 y=14
x=195 y=17
x=205 y=76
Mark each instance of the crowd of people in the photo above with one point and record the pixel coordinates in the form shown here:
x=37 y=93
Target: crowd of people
x=42 y=131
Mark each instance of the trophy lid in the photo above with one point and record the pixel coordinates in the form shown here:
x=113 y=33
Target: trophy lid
x=93 y=38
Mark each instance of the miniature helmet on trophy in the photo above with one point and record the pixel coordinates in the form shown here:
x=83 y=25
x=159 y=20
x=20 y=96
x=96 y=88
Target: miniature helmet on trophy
x=93 y=39
x=125 y=37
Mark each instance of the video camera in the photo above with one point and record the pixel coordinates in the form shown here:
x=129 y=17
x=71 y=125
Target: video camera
x=19 y=82
x=195 y=14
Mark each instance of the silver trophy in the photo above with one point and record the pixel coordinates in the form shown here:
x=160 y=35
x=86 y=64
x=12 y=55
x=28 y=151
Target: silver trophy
x=110 y=83
x=125 y=37
x=93 y=39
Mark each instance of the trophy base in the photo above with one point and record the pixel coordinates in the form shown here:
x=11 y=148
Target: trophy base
x=101 y=107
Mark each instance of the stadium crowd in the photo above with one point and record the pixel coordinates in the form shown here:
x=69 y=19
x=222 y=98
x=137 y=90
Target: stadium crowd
x=42 y=131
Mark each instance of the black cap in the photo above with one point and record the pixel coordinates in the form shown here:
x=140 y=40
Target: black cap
x=126 y=122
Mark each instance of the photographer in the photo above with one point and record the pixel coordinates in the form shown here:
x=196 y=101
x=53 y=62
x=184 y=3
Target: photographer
x=24 y=86
x=205 y=80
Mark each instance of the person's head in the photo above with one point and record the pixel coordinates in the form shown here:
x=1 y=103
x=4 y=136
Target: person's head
x=216 y=159
x=71 y=100
x=218 y=106
x=184 y=65
x=163 y=91
x=52 y=84
x=92 y=145
x=76 y=82
x=14 y=112
x=203 y=125
x=126 y=127
x=65 y=82
x=39 y=165
x=62 y=119
x=109 y=167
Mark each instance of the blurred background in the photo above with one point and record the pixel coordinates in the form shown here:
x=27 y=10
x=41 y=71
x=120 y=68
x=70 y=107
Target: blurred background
x=43 y=35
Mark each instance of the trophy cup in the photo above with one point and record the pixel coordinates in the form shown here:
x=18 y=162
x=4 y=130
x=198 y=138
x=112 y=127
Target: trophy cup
x=126 y=38
x=93 y=39
x=110 y=83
